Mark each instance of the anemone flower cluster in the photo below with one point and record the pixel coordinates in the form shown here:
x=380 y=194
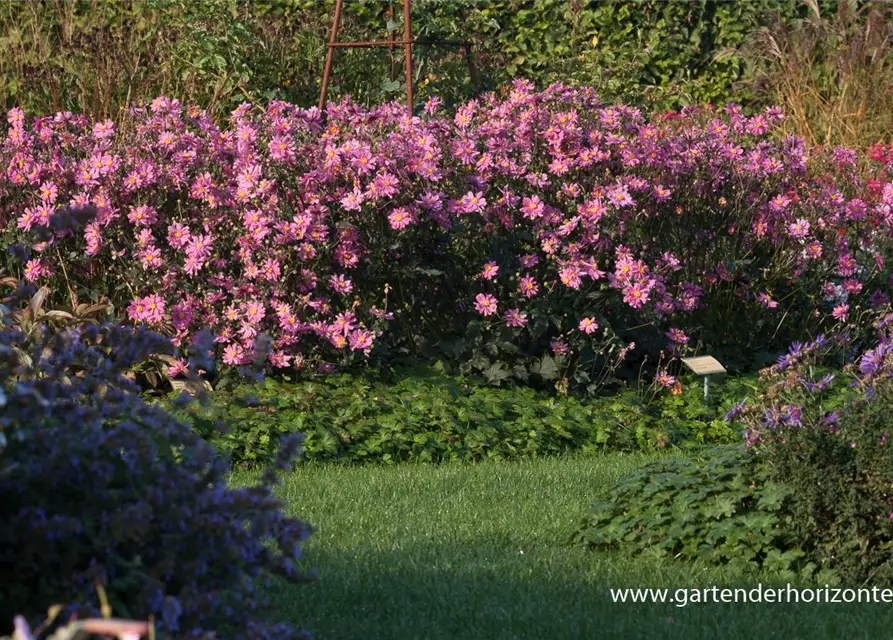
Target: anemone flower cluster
x=539 y=213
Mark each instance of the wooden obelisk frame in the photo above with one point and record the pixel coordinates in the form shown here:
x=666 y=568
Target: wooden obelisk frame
x=407 y=43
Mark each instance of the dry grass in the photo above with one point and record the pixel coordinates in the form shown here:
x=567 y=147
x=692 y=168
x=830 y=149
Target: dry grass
x=832 y=73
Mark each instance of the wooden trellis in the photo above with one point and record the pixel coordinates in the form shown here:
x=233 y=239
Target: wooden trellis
x=406 y=43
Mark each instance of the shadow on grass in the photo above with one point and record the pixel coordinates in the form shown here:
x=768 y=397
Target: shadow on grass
x=486 y=590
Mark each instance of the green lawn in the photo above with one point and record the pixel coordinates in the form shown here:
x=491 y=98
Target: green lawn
x=480 y=551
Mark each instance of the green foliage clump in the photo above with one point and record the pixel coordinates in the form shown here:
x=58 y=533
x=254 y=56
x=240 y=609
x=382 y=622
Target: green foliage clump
x=101 y=57
x=654 y=54
x=722 y=507
x=426 y=415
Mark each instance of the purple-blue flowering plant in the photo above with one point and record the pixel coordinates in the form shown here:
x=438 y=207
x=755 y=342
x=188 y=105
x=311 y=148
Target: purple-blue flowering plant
x=824 y=435
x=97 y=484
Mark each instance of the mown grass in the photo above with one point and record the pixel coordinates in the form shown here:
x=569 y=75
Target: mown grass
x=480 y=551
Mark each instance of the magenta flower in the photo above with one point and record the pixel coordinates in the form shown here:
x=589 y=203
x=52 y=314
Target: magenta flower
x=102 y=130
x=528 y=286
x=846 y=265
x=619 y=196
x=490 y=271
x=177 y=368
x=635 y=296
x=779 y=203
x=361 y=340
x=532 y=207
x=37 y=268
x=853 y=287
x=178 y=235
x=149 y=309
x=558 y=347
x=840 y=312
x=48 y=193
x=341 y=284
x=181 y=317
x=515 y=318
x=338 y=340
x=661 y=193
x=485 y=304
x=664 y=379
x=254 y=312
x=143 y=216
x=400 y=218
x=472 y=202
x=352 y=201
x=678 y=336
x=799 y=228
x=528 y=260
x=279 y=359
x=588 y=326
x=235 y=355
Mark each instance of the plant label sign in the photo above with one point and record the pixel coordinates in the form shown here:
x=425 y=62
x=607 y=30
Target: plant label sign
x=704 y=365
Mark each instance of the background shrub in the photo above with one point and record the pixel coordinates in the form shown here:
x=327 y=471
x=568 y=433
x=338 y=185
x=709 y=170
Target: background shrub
x=830 y=71
x=95 y=484
x=72 y=56
x=655 y=55
x=100 y=57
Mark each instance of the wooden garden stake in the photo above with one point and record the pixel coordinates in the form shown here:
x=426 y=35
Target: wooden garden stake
x=407 y=43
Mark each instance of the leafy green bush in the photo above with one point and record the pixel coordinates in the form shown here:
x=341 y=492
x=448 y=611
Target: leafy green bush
x=657 y=55
x=425 y=415
x=73 y=56
x=721 y=507
x=101 y=57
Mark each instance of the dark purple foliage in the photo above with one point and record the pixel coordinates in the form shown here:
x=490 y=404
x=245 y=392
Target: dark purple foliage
x=95 y=483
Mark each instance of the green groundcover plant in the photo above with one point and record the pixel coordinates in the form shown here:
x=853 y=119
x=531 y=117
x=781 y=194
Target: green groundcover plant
x=426 y=414
x=720 y=506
